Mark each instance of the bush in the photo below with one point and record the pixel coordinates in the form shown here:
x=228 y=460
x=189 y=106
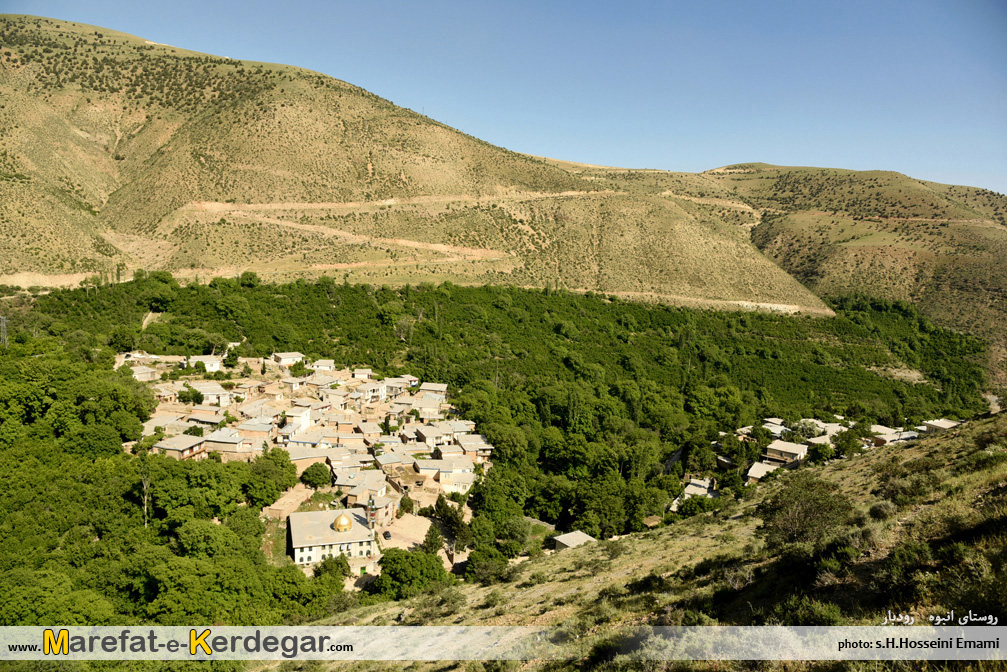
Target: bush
x=909 y=489
x=316 y=476
x=846 y=553
x=832 y=565
x=651 y=583
x=883 y=510
x=896 y=578
x=405 y=574
x=804 y=610
x=405 y=506
x=806 y=510
x=486 y=565
x=494 y=599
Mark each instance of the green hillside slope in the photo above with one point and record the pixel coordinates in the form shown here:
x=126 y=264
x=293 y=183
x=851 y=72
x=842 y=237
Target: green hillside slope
x=119 y=151
x=923 y=535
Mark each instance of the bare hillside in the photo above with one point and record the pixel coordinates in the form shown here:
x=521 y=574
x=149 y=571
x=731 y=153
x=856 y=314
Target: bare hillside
x=119 y=154
x=886 y=234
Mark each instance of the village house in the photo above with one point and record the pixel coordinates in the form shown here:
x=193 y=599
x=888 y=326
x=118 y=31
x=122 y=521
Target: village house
x=144 y=374
x=314 y=536
x=428 y=407
x=317 y=381
x=387 y=442
x=938 y=426
x=396 y=387
x=385 y=508
x=314 y=438
x=373 y=479
x=369 y=430
x=262 y=408
x=785 y=452
x=434 y=389
x=392 y=459
x=293 y=384
x=367 y=489
x=206 y=419
x=256 y=430
x=373 y=392
x=274 y=391
x=572 y=540
x=476 y=447
x=344 y=422
x=166 y=393
x=460 y=482
x=134 y=357
x=212 y=392
x=162 y=421
x=449 y=450
x=362 y=374
x=323 y=365
x=211 y=362
x=455 y=474
x=897 y=436
x=881 y=429
x=777 y=430
x=338 y=397
x=431 y=435
x=289 y=502
x=287 y=358
x=231 y=445
x=298 y=417
x=249 y=389
x=696 y=487
x=759 y=471
x=354 y=441
x=182 y=447
x=303 y=455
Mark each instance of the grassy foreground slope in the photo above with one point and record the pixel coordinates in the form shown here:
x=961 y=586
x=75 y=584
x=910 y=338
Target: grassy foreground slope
x=885 y=234
x=924 y=535
x=118 y=152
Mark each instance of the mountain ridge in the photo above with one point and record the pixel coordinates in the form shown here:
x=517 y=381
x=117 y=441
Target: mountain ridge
x=150 y=131
x=123 y=154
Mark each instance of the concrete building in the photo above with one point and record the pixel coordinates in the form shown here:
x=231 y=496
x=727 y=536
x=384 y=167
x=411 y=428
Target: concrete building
x=784 y=451
x=212 y=392
x=942 y=425
x=211 y=362
x=760 y=470
x=287 y=358
x=232 y=446
x=182 y=447
x=316 y=535
x=572 y=540
x=144 y=374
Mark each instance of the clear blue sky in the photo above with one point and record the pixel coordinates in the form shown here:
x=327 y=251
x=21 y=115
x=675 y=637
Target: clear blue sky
x=915 y=86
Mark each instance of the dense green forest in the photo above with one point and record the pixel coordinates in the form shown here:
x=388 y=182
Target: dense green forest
x=585 y=398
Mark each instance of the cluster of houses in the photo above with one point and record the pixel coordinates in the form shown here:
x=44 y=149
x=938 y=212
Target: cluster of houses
x=789 y=454
x=381 y=439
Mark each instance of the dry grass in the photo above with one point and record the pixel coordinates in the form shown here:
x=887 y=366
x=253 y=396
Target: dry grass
x=596 y=590
x=121 y=168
